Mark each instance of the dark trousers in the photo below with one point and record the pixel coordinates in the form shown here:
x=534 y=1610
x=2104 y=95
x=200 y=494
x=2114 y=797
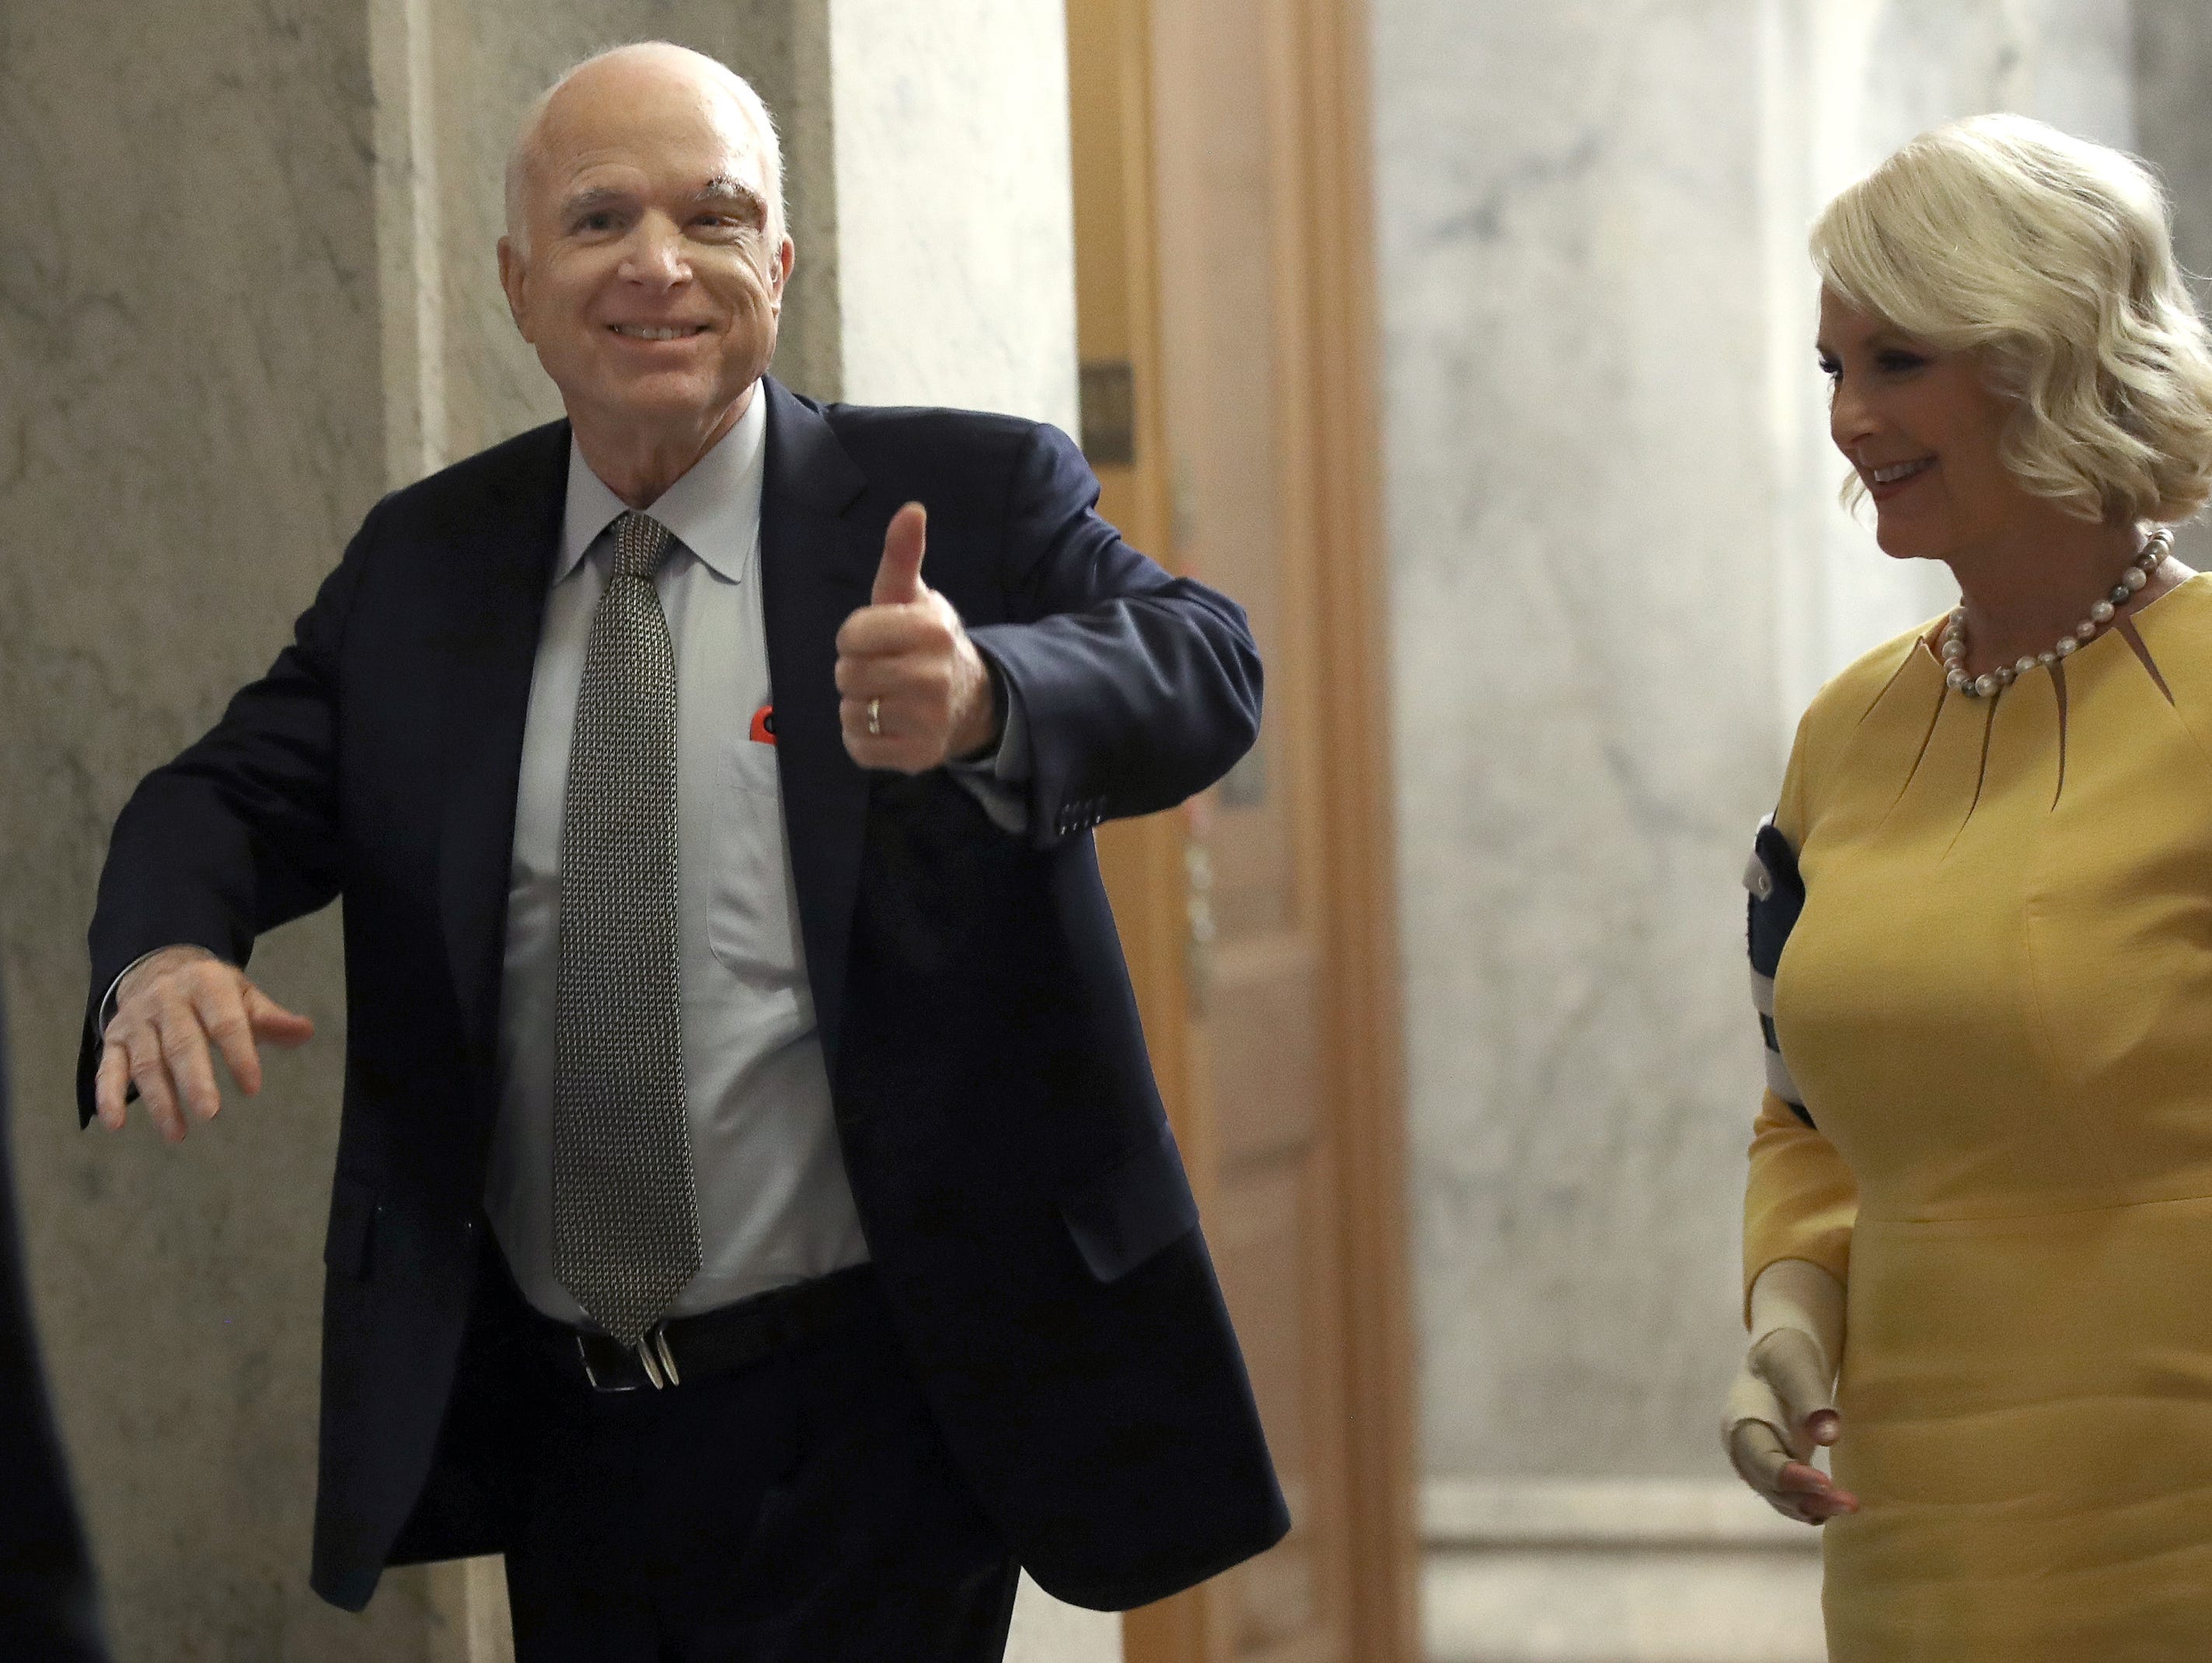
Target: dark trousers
x=801 y=1510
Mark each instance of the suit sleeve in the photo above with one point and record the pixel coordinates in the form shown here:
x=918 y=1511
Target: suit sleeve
x=1136 y=689
x=1800 y=1198
x=46 y=1599
x=239 y=832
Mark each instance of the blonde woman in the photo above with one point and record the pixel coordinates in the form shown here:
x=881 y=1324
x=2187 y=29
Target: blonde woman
x=1981 y=1188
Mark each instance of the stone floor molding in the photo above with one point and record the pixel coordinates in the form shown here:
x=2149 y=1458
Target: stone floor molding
x=1628 y=1571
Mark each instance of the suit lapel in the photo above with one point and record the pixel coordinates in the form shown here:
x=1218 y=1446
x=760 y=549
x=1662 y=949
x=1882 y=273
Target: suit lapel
x=501 y=576
x=817 y=566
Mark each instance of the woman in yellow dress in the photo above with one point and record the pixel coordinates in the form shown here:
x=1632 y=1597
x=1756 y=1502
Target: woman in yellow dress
x=1983 y=1189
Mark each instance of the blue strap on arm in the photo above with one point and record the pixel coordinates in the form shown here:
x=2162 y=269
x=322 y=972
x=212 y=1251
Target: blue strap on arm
x=1777 y=896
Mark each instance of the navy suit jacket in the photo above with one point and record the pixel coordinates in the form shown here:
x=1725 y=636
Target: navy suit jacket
x=46 y=1580
x=1021 y=1195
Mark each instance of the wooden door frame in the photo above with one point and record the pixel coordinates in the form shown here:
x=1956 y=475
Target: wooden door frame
x=1350 y=829
x=1366 y=1048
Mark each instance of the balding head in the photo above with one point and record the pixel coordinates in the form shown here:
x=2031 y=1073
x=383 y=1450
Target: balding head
x=645 y=70
x=646 y=255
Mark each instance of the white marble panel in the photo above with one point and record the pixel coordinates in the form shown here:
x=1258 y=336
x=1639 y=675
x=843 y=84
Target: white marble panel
x=1577 y=472
x=2173 y=45
x=2173 y=133
x=955 y=209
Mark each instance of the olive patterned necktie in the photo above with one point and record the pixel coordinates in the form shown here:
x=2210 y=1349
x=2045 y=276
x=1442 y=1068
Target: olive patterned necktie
x=625 y=1211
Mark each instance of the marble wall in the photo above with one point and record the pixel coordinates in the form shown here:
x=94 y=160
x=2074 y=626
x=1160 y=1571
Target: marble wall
x=216 y=349
x=1577 y=470
x=2174 y=44
x=1620 y=570
x=189 y=393
x=2173 y=67
x=959 y=107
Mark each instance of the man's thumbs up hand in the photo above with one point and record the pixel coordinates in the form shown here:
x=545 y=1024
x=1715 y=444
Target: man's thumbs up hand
x=915 y=691
x=898 y=577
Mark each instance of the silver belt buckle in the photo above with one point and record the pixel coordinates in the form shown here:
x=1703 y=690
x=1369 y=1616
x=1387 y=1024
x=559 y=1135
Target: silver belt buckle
x=658 y=1340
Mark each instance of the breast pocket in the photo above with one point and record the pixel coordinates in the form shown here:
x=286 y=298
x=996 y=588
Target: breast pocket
x=752 y=923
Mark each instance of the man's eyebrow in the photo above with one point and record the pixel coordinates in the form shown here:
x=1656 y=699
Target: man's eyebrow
x=591 y=201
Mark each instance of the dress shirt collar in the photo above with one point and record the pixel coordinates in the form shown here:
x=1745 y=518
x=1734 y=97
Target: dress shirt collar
x=713 y=509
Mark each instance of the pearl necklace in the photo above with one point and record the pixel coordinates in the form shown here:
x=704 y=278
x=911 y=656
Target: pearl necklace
x=2156 y=549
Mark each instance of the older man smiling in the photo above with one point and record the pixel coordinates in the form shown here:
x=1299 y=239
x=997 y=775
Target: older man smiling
x=754 y=1214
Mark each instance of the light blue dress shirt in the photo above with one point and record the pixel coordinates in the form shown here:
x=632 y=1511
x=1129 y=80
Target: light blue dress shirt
x=774 y=1206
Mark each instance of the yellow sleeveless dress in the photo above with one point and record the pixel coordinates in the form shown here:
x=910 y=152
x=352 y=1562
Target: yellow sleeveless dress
x=1997 y=1004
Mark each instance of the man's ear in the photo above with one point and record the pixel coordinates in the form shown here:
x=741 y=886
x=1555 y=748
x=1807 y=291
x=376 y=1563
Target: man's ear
x=786 y=255
x=514 y=280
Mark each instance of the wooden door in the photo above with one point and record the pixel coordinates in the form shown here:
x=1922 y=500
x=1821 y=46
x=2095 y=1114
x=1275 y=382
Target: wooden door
x=1223 y=264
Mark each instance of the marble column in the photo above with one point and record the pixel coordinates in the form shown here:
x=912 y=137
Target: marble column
x=248 y=285
x=190 y=397
x=1620 y=571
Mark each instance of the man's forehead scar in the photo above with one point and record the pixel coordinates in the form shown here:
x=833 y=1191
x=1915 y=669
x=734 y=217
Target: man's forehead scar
x=718 y=189
x=724 y=185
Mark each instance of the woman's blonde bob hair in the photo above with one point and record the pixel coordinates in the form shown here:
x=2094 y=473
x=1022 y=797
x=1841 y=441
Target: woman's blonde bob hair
x=2052 y=259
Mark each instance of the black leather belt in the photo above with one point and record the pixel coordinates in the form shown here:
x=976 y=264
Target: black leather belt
x=735 y=1336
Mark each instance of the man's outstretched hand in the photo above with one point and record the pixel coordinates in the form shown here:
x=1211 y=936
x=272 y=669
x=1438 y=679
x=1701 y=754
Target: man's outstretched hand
x=907 y=651
x=172 y=1010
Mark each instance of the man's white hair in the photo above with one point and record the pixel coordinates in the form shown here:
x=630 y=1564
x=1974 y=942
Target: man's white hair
x=523 y=157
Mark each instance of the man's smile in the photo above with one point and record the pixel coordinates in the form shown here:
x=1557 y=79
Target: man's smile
x=659 y=331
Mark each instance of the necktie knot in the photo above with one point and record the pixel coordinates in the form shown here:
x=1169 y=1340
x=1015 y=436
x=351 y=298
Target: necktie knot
x=642 y=544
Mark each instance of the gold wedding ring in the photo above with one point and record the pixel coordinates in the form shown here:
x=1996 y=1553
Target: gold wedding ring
x=875 y=719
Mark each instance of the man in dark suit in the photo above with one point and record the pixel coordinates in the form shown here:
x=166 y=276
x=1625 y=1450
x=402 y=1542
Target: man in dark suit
x=754 y=1212
x=46 y=1581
